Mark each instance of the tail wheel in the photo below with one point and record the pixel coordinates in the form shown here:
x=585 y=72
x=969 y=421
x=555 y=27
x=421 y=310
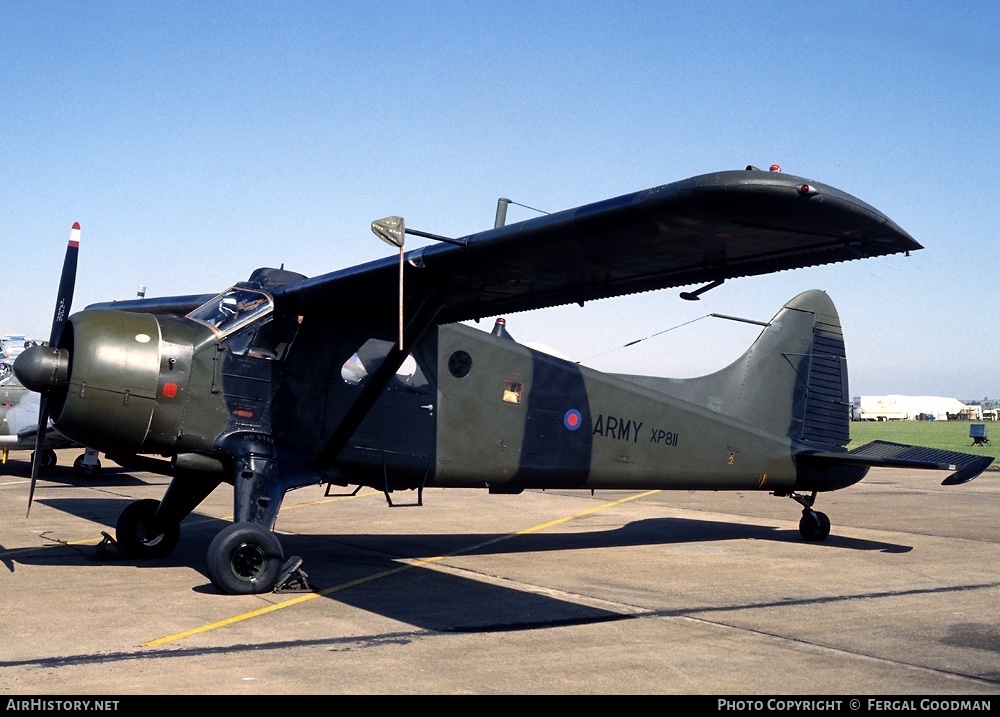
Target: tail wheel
x=139 y=536
x=245 y=559
x=814 y=526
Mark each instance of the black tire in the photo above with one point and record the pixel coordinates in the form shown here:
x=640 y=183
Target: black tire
x=245 y=559
x=136 y=535
x=814 y=526
x=48 y=461
x=86 y=470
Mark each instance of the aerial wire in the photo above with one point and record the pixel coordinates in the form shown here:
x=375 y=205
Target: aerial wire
x=658 y=333
x=636 y=341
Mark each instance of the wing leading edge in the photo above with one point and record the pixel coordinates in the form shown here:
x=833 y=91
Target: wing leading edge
x=707 y=228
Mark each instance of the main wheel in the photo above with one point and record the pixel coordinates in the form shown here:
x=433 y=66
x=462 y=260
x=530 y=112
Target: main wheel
x=814 y=526
x=86 y=469
x=245 y=559
x=138 y=537
x=48 y=459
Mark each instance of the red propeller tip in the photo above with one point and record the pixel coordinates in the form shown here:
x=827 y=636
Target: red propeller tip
x=76 y=225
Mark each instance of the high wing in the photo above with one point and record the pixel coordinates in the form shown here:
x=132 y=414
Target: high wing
x=707 y=228
x=703 y=229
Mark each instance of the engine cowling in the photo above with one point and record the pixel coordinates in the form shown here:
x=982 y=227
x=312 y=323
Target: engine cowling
x=117 y=381
x=113 y=376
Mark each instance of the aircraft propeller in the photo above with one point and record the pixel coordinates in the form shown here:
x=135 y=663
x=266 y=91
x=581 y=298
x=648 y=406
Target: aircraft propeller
x=64 y=301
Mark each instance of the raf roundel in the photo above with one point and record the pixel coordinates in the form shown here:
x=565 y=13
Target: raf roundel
x=572 y=420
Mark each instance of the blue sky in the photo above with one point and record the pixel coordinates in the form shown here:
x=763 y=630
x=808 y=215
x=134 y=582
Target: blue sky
x=196 y=141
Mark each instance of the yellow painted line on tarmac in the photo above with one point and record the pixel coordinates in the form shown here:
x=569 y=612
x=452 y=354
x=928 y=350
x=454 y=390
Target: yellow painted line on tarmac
x=385 y=573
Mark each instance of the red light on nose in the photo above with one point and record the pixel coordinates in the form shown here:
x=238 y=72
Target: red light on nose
x=807 y=189
x=170 y=390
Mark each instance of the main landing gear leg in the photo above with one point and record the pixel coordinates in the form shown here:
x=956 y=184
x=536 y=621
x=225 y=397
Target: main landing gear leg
x=246 y=558
x=87 y=464
x=813 y=525
x=149 y=528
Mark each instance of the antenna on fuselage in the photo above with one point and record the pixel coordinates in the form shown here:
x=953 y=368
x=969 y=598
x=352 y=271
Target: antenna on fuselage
x=502 y=204
x=501 y=219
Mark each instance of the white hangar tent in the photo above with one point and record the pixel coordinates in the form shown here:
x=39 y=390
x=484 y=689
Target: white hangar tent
x=913 y=408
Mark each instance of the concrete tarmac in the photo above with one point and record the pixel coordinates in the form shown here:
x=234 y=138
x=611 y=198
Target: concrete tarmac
x=554 y=592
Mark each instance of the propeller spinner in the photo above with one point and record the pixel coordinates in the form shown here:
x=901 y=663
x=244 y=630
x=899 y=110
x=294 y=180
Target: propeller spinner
x=45 y=368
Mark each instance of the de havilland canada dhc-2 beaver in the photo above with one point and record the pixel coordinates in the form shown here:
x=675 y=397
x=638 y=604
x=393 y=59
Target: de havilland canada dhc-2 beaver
x=367 y=376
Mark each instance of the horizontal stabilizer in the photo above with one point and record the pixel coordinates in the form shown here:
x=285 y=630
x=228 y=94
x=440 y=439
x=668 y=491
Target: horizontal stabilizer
x=966 y=466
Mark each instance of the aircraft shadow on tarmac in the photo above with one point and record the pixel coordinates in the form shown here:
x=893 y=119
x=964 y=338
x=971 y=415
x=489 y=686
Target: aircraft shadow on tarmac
x=473 y=605
x=434 y=599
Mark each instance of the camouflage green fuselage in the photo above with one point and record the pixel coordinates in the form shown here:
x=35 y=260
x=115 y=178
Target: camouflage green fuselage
x=466 y=409
x=506 y=417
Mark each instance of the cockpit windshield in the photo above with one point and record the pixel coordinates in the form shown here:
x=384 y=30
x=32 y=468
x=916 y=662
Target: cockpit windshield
x=232 y=309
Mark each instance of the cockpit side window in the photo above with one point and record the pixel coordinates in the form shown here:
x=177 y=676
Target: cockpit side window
x=267 y=339
x=232 y=309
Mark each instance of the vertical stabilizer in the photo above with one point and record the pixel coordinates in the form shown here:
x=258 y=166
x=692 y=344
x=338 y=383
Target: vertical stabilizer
x=792 y=380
